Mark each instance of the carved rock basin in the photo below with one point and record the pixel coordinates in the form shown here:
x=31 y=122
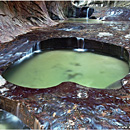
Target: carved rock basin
x=69 y=59
x=70 y=105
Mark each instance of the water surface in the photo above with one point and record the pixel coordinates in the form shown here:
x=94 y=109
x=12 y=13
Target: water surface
x=9 y=121
x=84 y=20
x=50 y=68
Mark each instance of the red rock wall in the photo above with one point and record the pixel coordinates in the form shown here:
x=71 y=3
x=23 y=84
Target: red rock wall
x=19 y=17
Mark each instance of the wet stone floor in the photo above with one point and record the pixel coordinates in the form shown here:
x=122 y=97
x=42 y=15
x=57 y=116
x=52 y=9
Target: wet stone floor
x=68 y=105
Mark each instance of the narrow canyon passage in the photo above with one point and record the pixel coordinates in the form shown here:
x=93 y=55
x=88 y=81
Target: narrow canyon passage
x=28 y=26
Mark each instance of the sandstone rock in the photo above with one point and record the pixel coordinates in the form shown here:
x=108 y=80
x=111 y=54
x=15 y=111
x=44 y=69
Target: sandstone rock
x=117 y=14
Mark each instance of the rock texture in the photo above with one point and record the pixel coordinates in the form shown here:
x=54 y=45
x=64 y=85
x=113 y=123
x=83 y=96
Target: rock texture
x=21 y=17
x=67 y=105
x=109 y=10
x=58 y=10
x=117 y=14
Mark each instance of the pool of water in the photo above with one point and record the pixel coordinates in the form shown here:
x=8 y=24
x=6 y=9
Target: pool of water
x=84 y=20
x=9 y=121
x=50 y=68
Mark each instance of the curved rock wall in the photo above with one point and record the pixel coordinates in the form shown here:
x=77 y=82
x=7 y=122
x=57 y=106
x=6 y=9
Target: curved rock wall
x=19 y=17
x=58 y=9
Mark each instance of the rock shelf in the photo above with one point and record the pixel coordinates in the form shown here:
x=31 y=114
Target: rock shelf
x=59 y=106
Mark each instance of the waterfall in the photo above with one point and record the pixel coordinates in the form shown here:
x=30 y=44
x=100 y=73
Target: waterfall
x=87 y=17
x=17 y=109
x=83 y=43
x=29 y=52
x=80 y=45
x=78 y=39
x=122 y=52
x=27 y=55
x=37 y=48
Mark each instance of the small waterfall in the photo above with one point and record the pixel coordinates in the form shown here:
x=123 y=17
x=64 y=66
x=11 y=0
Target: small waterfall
x=83 y=43
x=87 y=17
x=29 y=52
x=80 y=45
x=27 y=55
x=78 y=41
x=17 y=109
x=37 y=47
x=122 y=52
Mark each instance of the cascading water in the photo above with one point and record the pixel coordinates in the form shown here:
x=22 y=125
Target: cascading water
x=87 y=15
x=30 y=52
x=17 y=109
x=81 y=45
x=122 y=52
x=37 y=47
x=64 y=65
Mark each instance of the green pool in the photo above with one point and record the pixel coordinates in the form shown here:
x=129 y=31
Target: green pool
x=50 y=68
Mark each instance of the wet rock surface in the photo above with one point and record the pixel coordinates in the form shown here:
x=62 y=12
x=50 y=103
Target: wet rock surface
x=117 y=14
x=83 y=12
x=68 y=105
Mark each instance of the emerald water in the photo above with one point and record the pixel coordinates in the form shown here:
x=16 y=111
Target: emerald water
x=48 y=69
x=84 y=20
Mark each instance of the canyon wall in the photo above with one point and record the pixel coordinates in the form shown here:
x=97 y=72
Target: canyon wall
x=20 y=17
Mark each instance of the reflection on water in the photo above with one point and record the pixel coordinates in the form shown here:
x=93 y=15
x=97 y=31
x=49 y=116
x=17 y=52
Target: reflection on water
x=72 y=27
x=83 y=20
x=51 y=68
x=9 y=121
x=88 y=21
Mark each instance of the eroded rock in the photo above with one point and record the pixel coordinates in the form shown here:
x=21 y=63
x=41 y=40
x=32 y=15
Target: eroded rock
x=67 y=105
x=117 y=14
